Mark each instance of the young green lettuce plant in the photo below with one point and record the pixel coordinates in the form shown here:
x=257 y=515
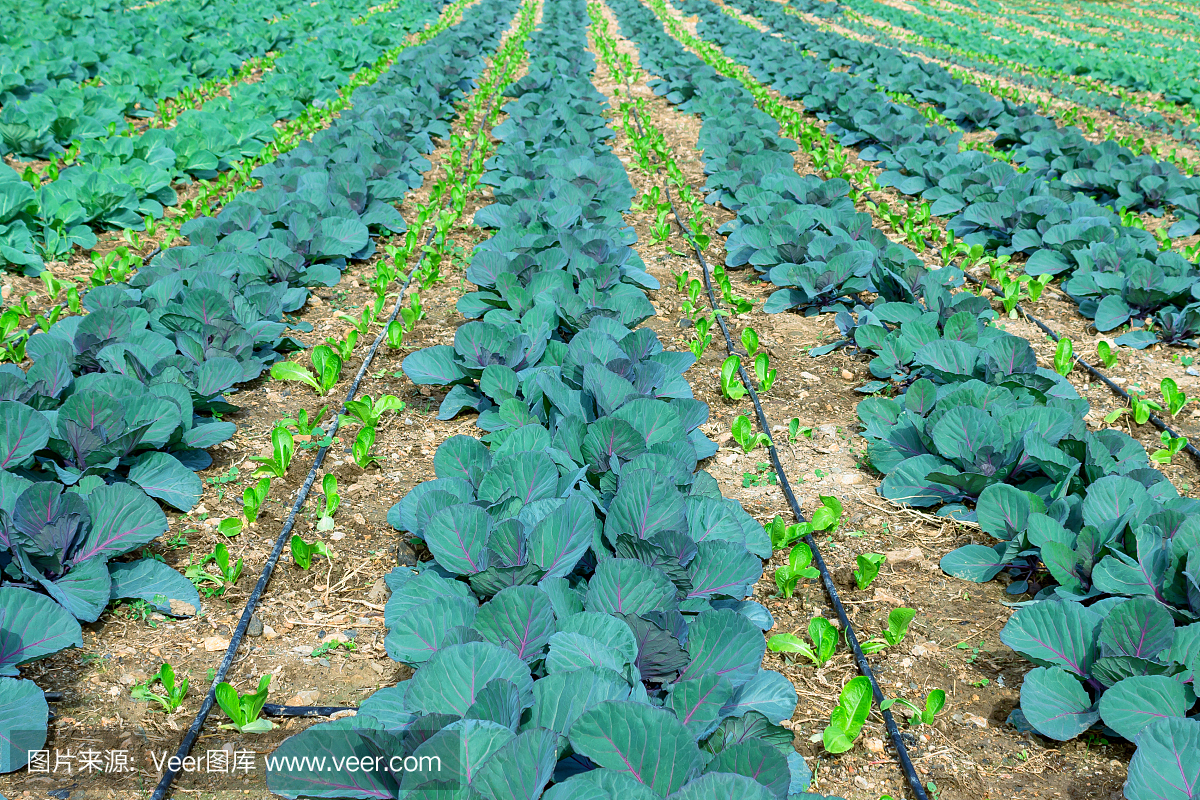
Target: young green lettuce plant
x=303 y=424
x=935 y=701
x=897 y=627
x=824 y=518
x=1174 y=398
x=1064 y=357
x=395 y=334
x=703 y=337
x=303 y=552
x=326 y=362
x=253 y=498
x=847 y=720
x=243 y=710
x=332 y=501
x=731 y=384
x=173 y=693
x=763 y=372
x=1108 y=356
x=868 y=568
x=744 y=435
x=362 y=448
x=795 y=431
x=283 y=446
x=1171 y=446
x=343 y=349
x=798 y=566
x=368 y=411
x=824 y=642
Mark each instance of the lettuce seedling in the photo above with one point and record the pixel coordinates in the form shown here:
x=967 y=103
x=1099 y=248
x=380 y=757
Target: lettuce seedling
x=868 y=568
x=824 y=642
x=252 y=499
x=897 y=627
x=362 y=448
x=173 y=692
x=934 y=702
x=243 y=710
x=1064 y=357
x=303 y=552
x=1174 y=398
x=332 y=501
x=1108 y=356
x=731 y=385
x=276 y=464
x=744 y=435
x=847 y=720
x=797 y=567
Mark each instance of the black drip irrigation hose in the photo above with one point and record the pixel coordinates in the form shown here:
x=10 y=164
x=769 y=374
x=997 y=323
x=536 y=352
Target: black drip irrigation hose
x=268 y=709
x=193 y=731
x=860 y=659
x=910 y=772
x=1189 y=448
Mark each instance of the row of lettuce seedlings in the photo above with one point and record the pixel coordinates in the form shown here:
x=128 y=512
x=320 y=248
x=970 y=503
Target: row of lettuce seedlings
x=1116 y=273
x=481 y=107
x=657 y=159
x=121 y=181
x=926 y=37
x=1080 y=519
x=116 y=409
x=582 y=621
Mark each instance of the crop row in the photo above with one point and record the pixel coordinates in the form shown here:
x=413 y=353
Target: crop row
x=1113 y=37
x=1176 y=80
x=119 y=404
x=58 y=90
x=1080 y=519
x=922 y=35
x=1117 y=272
x=123 y=181
x=582 y=620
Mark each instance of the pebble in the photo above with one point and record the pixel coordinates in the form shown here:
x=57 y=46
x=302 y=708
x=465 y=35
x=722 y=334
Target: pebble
x=303 y=649
x=808 y=376
x=851 y=478
x=875 y=745
x=308 y=697
x=313 y=604
x=269 y=633
x=847 y=375
x=1195 y=373
x=324 y=662
x=214 y=644
x=337 y=536
x=255 y=628
x=909 y=555
x=860 y=782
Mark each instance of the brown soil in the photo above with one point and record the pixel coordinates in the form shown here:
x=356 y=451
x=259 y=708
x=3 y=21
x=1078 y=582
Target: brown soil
x=970 y=752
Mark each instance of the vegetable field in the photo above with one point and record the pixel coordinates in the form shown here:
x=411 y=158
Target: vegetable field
x=600 y=399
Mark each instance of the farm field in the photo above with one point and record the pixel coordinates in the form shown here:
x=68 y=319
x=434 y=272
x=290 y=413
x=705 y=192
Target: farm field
x=600 y=399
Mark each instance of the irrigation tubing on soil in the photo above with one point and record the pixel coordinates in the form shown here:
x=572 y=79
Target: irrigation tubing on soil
x=860 y=659
x=1124 y=395
x=193 y=731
